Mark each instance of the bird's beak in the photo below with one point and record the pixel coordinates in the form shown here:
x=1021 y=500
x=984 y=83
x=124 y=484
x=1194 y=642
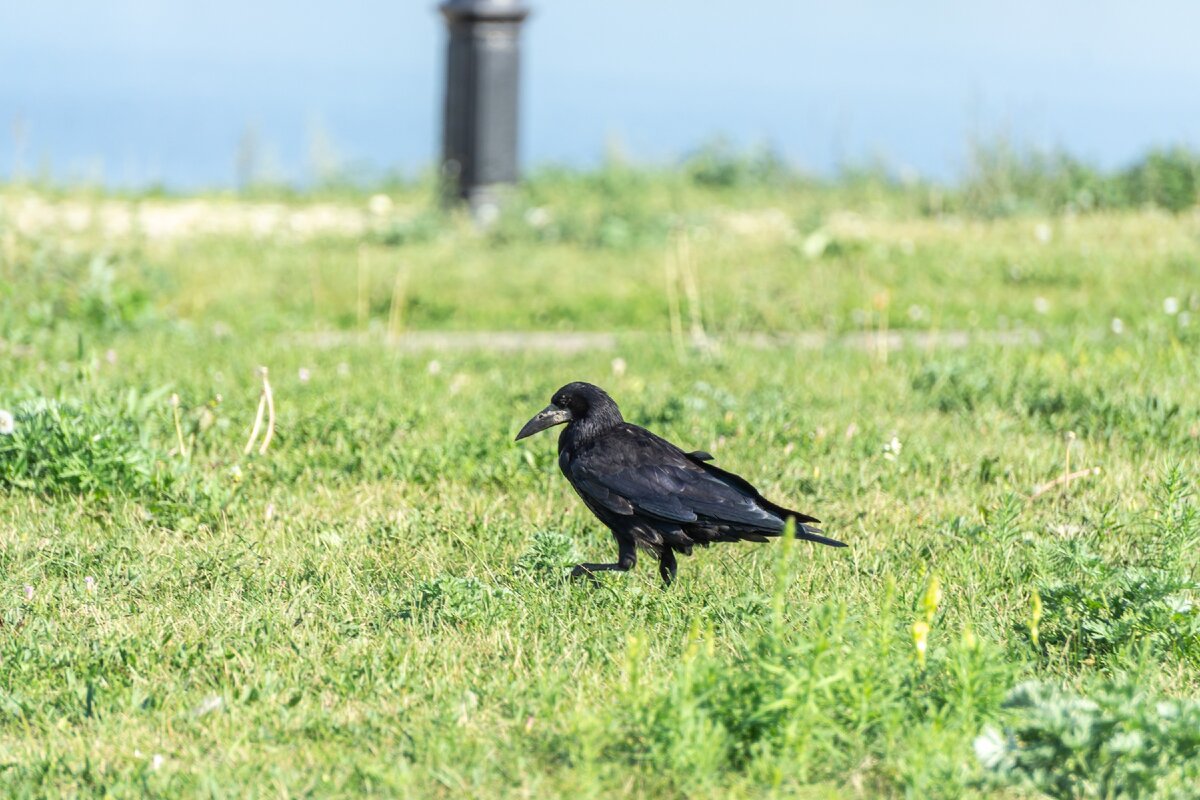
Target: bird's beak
x=548 y=417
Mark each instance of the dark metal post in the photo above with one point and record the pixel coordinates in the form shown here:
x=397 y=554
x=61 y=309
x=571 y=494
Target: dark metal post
x=479 y=135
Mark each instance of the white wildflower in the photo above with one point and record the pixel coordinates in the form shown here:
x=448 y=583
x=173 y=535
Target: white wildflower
x=892 y=449
x=434 y=367
x=618 y=367
x=1043 y=233
x=487 y=214
x=537 y=218
x=304 y=375
x=1118 y=327
x=7 y=423
x=380 y=205
x=1041 y=305
x=209 y=705
x=815 y=245
x=1171 y=305
x=469 y=703
x=991 y=747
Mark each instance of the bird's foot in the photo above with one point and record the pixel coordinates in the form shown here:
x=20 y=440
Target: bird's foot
x=667 y=567
x=582 y=571
x=590 y=571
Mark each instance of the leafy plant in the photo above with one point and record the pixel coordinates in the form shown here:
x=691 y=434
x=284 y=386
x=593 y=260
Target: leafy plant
x=69 y=447
x=804 y=702
x=1005 y=179
x=1167 y=178
x=108 y=448
x=108 y=302
x=965 y=385
x=718 y=164
x=1106 y=609
x=549 y=554
x=453 y=599
x=1121 y=743
x=101 y=292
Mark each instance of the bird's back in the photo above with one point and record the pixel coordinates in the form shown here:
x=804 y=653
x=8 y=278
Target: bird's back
x=635 y=480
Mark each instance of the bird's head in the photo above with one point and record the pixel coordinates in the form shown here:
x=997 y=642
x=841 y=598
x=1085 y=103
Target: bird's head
x=577 y=402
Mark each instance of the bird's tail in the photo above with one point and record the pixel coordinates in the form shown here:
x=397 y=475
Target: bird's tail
x=810 y=533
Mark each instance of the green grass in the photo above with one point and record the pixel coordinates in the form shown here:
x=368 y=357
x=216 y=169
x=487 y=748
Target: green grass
x=376 y=605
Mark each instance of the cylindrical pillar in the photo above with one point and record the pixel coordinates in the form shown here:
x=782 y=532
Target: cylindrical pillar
x=479 y=133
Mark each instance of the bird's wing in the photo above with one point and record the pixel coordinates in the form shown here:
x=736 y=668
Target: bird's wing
x=632 y=471
x=738 y=482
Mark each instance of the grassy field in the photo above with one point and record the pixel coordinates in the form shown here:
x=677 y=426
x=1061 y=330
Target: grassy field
x=375 y=604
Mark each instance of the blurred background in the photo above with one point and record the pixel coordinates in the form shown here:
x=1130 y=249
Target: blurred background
x=929 y=271
x=141 y=93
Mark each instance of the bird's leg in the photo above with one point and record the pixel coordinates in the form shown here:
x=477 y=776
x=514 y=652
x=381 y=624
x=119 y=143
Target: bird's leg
x=626 y=559
x=666 y=565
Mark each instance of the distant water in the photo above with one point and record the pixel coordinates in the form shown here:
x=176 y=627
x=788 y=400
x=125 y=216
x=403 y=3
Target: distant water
x=137 y=92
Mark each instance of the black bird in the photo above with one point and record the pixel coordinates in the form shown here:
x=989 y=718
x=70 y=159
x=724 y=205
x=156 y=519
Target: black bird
x=650 y=493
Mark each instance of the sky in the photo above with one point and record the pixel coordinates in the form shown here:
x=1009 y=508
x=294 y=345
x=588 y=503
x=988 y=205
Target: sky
x=139 y=92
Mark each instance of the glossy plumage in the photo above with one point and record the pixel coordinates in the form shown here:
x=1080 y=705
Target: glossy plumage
x=650 y=493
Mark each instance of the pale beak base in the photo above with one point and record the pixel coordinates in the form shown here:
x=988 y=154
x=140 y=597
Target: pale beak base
x=548 y=417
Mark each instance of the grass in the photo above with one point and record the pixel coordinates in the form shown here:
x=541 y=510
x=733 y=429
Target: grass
x=376 y=604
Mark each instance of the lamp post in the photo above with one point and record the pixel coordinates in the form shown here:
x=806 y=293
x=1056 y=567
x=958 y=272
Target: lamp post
x=479 y=129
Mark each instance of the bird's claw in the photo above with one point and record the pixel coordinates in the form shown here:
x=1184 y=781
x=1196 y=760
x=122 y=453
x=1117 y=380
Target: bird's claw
x=581 y=571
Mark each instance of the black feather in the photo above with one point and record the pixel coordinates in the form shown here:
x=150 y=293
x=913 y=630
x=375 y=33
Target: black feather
x=652 y=494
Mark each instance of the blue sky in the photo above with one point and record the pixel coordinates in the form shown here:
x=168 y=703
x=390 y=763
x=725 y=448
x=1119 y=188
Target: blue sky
x=138 y=91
